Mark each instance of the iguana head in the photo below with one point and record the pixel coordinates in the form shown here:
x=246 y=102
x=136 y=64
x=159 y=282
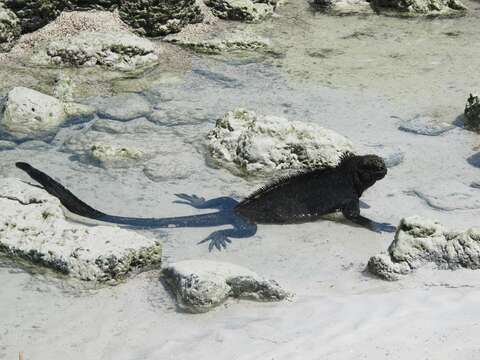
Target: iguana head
x=366 y=169
x=369 y=169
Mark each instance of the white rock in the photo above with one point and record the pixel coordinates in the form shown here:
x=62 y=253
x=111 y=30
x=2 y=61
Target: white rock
x=30 y=114
x=34 y=227
x=116 y=50
x=245 y=142
x=419 y=241
x=201 y=285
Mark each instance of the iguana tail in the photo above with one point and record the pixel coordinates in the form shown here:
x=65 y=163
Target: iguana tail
x=78 y=207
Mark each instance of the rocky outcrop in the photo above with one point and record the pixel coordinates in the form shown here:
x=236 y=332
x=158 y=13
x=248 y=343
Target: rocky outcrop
x=159 y=17
x=472 y=113
x=115 y=50
x=10 y=28
x=34 y=14
x=343 y=7
x=420 y=7
x=29 y=114
x=212 y=43
x=34 y=228
x=420 y=241
x=401 y=8
x=242 y=10
x=200 y=285
x=91 y=4
x=247 y=143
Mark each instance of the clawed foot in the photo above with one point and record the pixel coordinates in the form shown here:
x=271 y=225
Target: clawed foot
x=218 y=239
x=192 y=200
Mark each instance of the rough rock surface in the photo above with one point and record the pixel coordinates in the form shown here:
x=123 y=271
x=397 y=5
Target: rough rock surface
x=115 y=50
x=343 y=7
x=425 y=125
x=243 y=10
x=10 y=28
x=406 y=8
x=420 y=7
x=472 y=113
x=159 y=17
x=34 y=14
x=419 y=241
x=30 y=114
x=201 y=285
x=34 y=227
x=91 y=4
x=243 y=141
x=212 y=43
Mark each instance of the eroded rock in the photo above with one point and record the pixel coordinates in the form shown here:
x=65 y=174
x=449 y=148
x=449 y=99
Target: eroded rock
x=472 y=113
x=201 y=285
x=10 y=28
x=31 y=114
x=248 y=143
x=401 y=8
x=34 y=228
x=114 y=50
x=159 y=17
x=34 y=14
x=420 y=7
x=213 y=43
x=243 y=10
x=419 y=241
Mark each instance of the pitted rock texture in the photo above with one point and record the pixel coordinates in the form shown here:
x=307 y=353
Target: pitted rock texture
x=34 y=14
x=159 y=17
x=115 y=50
x=420 y=7
x=10 y=28
x=201 y=285
x=29 y=114
x=242 y=10
x=34 y=227
x=419 y=241
x=247 y=143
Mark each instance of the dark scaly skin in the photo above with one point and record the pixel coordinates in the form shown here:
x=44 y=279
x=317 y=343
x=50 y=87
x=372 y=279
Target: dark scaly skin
x=299 y=198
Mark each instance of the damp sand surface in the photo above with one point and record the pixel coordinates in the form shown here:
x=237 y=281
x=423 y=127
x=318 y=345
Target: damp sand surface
x=339 y=311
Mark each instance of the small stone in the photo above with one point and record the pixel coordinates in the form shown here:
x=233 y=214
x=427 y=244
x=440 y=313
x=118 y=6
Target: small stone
x=243 y=10
x=201 y=285
x=30 y=114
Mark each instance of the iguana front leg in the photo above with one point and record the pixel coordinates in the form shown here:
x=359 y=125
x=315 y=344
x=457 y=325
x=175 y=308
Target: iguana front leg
x=352 y=212
x=241 y=229
x=221 y=203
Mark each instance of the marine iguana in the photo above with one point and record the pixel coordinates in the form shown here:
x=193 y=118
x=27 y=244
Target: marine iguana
x=301 y=197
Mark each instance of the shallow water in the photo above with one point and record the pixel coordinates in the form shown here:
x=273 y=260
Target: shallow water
x=361 y=86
